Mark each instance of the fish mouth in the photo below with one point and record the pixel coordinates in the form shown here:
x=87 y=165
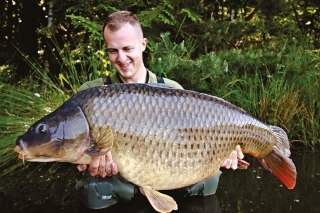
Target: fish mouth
x=22 y=155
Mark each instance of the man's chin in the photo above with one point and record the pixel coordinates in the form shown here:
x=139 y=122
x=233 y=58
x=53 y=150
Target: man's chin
x=126 y=76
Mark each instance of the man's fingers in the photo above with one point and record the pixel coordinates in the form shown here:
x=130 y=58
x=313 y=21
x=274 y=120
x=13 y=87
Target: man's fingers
x=109 y=157
x=82 y=167
x=102 y=167
x=94 y=166
x=114 y=168
x=239 y=152
x=233 y=160
x=111 y=167
x=234 y=164
x=233 y=155
x=108 y=164
x=226 y=164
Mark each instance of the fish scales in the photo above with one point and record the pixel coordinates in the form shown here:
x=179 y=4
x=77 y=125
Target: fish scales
x=159 y=137
x=163 y=133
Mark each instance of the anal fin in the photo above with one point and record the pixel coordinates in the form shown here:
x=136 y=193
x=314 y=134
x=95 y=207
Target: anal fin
x=160 y=202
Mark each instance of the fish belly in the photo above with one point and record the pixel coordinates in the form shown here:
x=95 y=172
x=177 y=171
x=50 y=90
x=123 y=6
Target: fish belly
x=164 y=164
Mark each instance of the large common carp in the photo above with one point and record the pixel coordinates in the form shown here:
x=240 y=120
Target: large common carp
x=160 y=138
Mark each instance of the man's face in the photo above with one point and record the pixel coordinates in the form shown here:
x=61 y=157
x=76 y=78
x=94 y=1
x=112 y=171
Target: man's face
x=125 y=47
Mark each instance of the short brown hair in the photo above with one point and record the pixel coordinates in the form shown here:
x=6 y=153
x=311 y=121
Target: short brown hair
x=117 y=19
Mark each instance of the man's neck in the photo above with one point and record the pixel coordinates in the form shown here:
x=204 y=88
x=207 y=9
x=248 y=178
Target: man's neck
x=141 y=77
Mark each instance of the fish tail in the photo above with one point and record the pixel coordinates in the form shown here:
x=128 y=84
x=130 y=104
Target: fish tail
x=278 y=161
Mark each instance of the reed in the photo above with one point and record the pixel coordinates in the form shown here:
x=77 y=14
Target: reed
x=20 y=108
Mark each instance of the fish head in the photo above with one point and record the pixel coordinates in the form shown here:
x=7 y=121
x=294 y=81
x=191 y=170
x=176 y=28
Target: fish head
x=63 y=136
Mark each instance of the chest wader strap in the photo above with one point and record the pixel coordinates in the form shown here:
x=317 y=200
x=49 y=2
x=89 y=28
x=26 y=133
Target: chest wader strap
x=160 y=80
x=107 y=80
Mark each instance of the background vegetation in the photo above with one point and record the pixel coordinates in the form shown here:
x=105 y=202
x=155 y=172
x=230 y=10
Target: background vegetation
x=260 y=55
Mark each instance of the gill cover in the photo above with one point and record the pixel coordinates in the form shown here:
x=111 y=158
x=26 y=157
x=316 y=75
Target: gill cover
x=60 y=136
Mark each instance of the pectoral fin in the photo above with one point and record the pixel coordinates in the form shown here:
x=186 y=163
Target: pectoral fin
x=102 y=142
x=160 y=202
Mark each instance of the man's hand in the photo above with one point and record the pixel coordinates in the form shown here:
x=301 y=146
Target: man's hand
x=105 y=167
x=102 y=166
x=235 y=156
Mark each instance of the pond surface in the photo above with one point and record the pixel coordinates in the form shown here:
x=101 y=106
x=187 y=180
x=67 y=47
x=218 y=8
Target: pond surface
x=241 y=191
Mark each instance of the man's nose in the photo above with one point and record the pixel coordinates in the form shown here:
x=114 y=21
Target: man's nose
x=122 y=57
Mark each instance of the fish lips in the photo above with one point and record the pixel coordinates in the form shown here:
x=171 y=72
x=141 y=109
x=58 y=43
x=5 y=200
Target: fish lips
x=20 y=149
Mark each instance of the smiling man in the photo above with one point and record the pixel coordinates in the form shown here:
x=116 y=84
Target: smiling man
x=125 y=51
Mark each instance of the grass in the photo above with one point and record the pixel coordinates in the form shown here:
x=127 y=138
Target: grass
x=269 y=102
x=20 y=108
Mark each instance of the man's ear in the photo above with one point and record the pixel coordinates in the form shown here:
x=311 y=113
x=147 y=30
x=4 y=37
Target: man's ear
x=144 y=43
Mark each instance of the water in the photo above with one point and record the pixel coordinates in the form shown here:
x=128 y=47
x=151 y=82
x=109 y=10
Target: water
x=241 y=191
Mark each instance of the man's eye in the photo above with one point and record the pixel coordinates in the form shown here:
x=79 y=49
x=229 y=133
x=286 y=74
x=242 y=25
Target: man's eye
x=112 y=51
x=128 y=49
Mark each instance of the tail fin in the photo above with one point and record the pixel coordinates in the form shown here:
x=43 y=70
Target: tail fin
x=278 y=161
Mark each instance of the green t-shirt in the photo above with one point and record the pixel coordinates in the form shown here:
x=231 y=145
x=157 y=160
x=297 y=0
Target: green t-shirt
x=115 y=80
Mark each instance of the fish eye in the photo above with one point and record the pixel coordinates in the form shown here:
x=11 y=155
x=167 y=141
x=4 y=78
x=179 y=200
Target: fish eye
x=42 y=128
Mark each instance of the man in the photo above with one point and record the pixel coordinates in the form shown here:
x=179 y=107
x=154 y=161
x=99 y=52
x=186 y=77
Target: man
x=125 y=45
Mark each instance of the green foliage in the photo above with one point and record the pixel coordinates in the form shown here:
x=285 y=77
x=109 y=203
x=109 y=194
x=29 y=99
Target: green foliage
x=275 y=91
x=77 y=65
x=7 y=73
x=166 y=55
x=204 y=26
x=262 y=81
x=192 y=15
x=20 y=108
x=94 y=28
